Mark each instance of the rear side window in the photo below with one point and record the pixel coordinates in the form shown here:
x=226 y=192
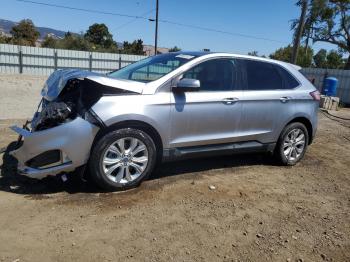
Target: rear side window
x=289 y=80
x=262 y=76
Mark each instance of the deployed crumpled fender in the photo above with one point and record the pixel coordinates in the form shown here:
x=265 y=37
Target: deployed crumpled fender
x=64 y=126
x=58 y=80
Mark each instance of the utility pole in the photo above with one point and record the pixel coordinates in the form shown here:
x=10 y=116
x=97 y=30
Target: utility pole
x=156 y=33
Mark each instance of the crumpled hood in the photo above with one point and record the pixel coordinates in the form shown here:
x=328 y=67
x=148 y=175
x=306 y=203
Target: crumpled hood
x=58 y=80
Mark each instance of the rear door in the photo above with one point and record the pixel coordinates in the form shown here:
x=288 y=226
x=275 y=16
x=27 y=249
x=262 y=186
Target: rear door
x=212 y=114
x=268 y=100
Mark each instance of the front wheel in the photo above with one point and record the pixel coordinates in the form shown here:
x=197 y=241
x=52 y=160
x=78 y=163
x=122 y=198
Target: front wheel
x=122 y=158
x=292 y=144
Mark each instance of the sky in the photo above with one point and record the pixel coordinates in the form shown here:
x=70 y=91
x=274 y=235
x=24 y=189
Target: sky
x=269 y=19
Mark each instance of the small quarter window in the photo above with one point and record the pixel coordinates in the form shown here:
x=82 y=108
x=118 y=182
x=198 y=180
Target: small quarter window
x=289 y=81
x=262 y=76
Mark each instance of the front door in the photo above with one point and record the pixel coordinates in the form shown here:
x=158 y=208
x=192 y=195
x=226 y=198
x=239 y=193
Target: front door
x=212 y=114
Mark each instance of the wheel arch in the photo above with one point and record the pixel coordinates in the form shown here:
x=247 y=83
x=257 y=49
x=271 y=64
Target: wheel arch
x=141 y=125
x=307 y=123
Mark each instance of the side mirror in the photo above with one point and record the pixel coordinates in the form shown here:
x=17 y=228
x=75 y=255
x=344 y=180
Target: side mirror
x=187 y=84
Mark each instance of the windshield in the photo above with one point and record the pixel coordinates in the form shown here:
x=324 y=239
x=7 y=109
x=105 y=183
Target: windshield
x=152 y=68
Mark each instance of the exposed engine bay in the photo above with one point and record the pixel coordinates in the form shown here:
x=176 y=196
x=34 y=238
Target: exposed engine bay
x=75 y=99
x=50 y=115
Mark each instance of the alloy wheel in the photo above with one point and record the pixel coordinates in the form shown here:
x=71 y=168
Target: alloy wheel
x=125 y=160
x=294 y=144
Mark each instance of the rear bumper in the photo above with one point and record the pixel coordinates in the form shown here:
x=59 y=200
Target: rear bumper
x=73 y=139
x=314 y=123
x=314 y=131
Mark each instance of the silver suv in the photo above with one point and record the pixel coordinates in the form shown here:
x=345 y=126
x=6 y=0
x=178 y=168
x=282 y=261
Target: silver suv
x=167 y=107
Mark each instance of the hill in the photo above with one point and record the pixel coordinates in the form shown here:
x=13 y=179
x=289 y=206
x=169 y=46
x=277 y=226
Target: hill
x=6 y=25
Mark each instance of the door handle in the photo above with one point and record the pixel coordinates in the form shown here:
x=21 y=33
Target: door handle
x=285 y=99
x=230 y=100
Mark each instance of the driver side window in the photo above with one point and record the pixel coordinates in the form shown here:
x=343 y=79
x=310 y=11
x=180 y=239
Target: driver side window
x=214 y=75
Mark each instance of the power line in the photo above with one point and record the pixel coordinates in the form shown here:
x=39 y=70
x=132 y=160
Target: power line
x=221 y=31
x=133 y=20
x=82 y=9
x=142 y=16
x=160 y=20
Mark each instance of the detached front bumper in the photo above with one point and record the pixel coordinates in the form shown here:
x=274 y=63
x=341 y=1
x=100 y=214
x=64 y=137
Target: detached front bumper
x=52 y=151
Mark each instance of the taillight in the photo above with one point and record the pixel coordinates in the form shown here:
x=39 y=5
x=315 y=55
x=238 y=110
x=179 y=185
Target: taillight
x=316 y=95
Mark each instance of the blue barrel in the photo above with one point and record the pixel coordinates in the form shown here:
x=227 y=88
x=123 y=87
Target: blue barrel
x=330 y=85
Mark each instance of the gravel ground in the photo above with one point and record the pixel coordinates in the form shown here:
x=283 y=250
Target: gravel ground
x=14 y=90
x=255 y=211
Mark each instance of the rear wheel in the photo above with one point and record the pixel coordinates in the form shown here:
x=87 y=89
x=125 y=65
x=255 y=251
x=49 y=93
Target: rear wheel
x=292 y=144
x=122 y=158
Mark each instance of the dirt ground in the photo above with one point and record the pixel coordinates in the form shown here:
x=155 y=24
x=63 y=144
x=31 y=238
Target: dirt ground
x=258 y=211
x=17 y=88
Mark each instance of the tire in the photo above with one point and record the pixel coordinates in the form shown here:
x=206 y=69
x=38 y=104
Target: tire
x=290 y=149
x=114 y=168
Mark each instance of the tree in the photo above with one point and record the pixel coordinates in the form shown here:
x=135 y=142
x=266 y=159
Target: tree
x=253 y=53
x=99 y=36
x=320 y=59
x=68 y=34
x=174 y=49
x=49 y=42
x=330 y=22
x=24 y=33
x=5 y=39
x=299 y=26
x=74 y=42
x=334 y=60
x=304 y=59
x=135 y=48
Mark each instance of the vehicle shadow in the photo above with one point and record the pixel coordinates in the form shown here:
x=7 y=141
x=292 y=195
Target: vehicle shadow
x=195 y=165
x=11 y=181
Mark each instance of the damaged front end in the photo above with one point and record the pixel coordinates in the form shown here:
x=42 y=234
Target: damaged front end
x=60 y=135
